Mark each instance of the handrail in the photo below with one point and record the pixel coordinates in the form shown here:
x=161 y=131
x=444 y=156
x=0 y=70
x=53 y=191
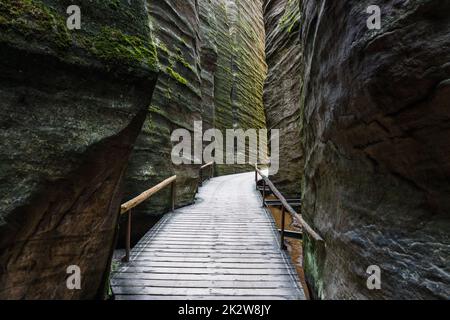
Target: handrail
x=209 y=164
x=286 y=205
x=146 y=195
x=133 y=203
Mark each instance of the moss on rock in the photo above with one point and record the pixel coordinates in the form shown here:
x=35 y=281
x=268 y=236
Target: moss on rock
x=40 y=25
x=115 y=46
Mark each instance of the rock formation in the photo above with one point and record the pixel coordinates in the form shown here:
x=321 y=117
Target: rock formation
x=212 y=70
x=375 y=136
x=282 y=89
x=71 y=106
x=208 y=61
x=176 y=104
x=241 y=68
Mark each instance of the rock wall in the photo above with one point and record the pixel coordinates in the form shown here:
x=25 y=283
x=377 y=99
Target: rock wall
x=213 y=69
x=209 y=55
x=71 y=107
x=176 y=104
x=375 y=134
x=282 y=89
x=241 y=68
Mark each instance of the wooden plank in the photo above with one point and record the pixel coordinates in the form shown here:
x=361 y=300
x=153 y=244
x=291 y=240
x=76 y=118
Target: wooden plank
x=201 y=284
x=148 y=264
x=211 y=237
x=242 y=259
x=211 y=246
x=206 y=254
x=205 y=250
x=206 y=258
x=209 y=233
x=204 y=291
x=217 y=242
x=202 y=277
x=188 y=270
x=292 y=234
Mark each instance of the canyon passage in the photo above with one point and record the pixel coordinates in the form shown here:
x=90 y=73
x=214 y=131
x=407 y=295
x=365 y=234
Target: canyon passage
x=86 y=118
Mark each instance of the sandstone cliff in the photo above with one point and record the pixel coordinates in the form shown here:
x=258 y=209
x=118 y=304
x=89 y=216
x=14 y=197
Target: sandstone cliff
x=176 y=104
x=241 y=68
x=282 y=89
x=375 y=134
x=212 y=70
x=71 y=106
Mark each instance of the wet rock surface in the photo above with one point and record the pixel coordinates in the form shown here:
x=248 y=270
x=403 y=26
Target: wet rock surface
x=71 y=107
x=375 y=136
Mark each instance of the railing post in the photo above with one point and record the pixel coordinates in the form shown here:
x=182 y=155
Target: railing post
x=128 y=239
x=212 y=171
x=283 y=221
x=264 y=193
x=201 y=177
x=172 y=191
x=256 y=179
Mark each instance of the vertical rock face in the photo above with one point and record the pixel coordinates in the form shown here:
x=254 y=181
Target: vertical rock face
x=176 y=104
x=241 y=68
x=71 y=107
x=375 y=133
x=282 y=89
x=212 y=70
x=208 y=61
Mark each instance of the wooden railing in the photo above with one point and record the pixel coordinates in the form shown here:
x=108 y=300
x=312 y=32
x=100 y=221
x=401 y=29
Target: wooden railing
x=127 y=207
x=286 y=206
x=204 y=167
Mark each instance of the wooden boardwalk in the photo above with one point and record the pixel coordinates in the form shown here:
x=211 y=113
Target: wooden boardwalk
x=223 y=247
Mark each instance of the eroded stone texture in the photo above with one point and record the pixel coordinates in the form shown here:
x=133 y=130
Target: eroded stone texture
x=209 y=56
x=375 y=132
x=241 y=68
x=212 y=61
x=71 y=107
x=282 y=89
x=176 y=104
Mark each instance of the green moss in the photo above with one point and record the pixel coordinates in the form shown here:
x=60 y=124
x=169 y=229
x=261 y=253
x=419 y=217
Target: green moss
x=32 y=19
x=179 y=58
x=313 y=264
x=113 y=45
x=163 y=48
x=291 y=17
x=176 y=76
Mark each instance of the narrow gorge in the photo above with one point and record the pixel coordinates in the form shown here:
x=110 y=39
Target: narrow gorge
x=87 y=116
